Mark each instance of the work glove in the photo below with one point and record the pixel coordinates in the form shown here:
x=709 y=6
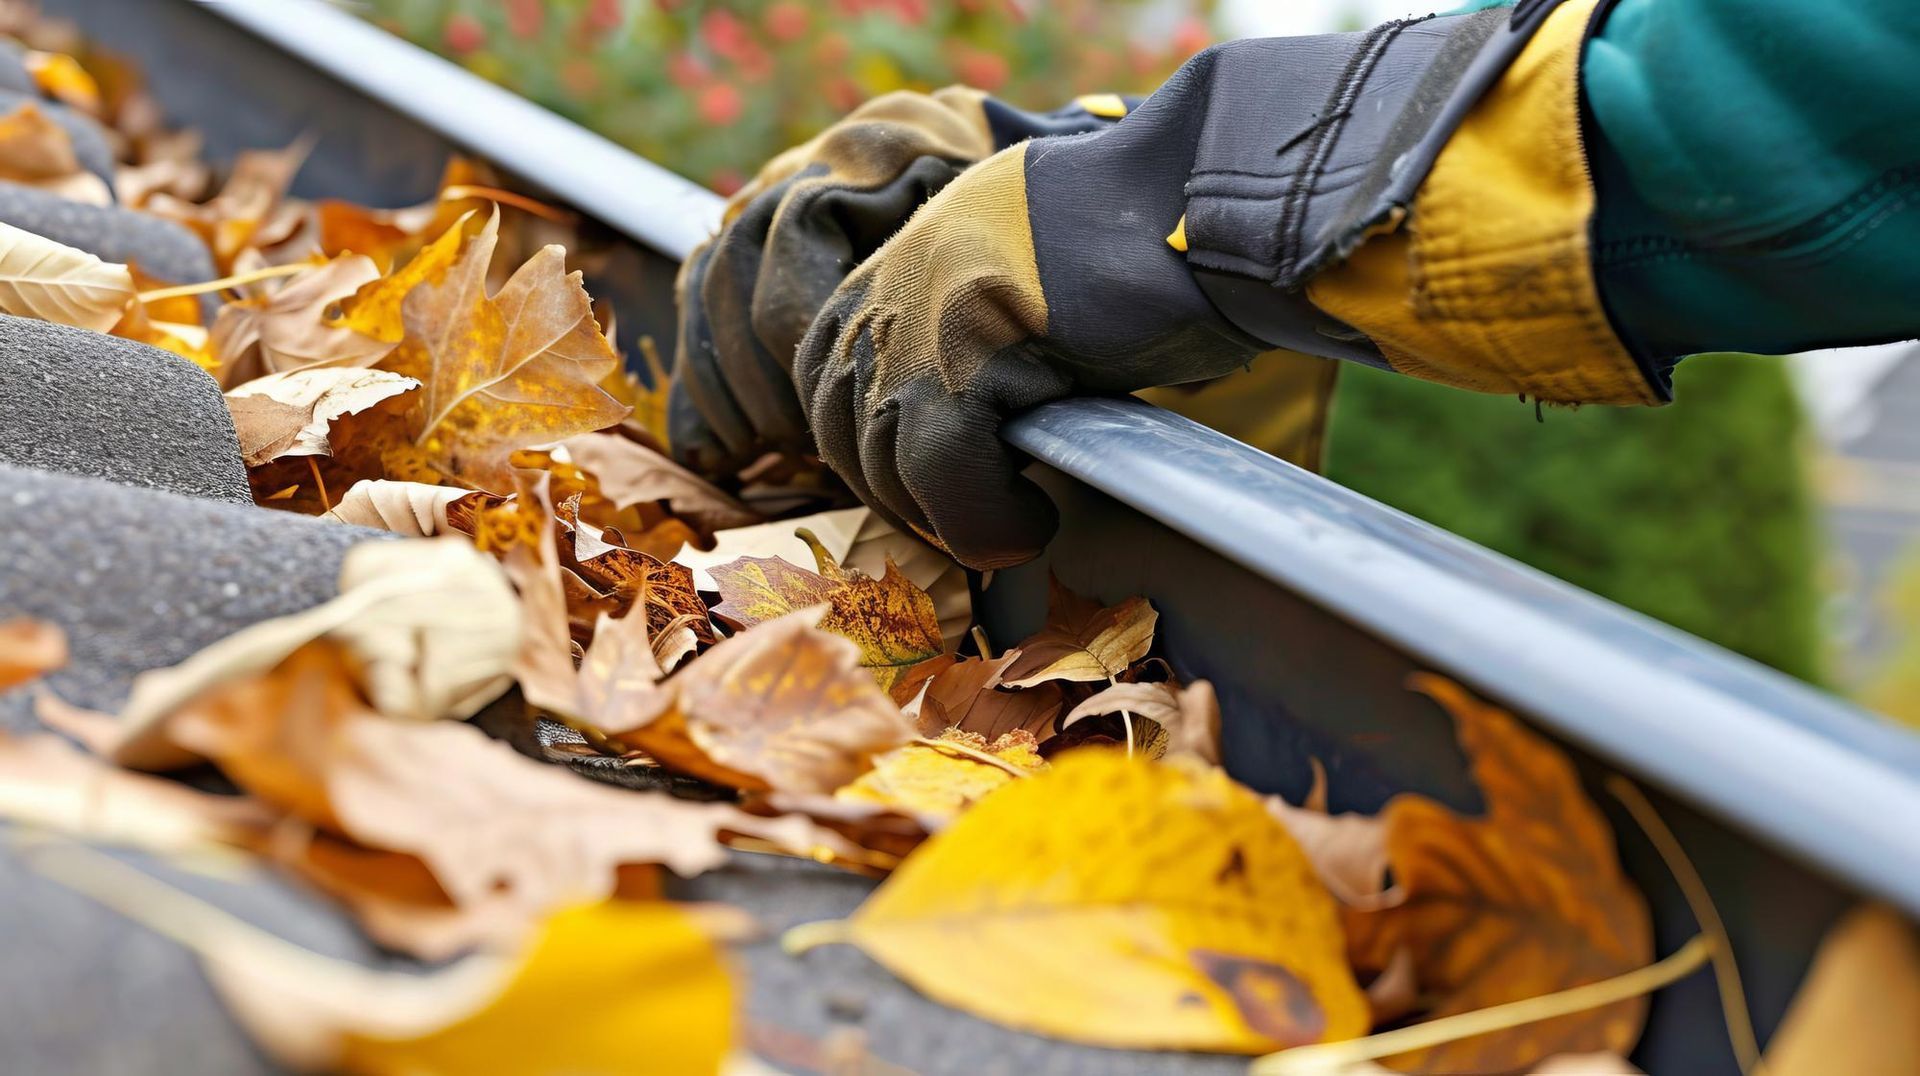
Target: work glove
x=791 y=235
x=1165 y=249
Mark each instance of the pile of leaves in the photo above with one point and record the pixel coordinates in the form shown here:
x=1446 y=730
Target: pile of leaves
x=1061 y=850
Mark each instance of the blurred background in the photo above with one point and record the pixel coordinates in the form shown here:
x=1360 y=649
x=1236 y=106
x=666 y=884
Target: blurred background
x=1774 y=509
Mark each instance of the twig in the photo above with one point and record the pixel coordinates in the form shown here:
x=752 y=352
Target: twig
x=1726 y=969
x=314 y=466
x=973 y=753
x=1326 y=1058
x=223 y=283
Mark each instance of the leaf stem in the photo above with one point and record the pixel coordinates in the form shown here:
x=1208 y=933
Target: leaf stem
x=973 y=753
x=223 y=283
x=1327 y=1058
x=1726 y=969
x=542 y=210
x=807 y=936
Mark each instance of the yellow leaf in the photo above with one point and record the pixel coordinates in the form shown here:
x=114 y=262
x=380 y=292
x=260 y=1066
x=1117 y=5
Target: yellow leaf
x=1083 y=642
x=374 y=310
x=42 y=279
x=1526 y=900
x=502 y=372
x=1119 y=902
x=61 y=77
x=930 y=782
x=613 y=987
x=892 y=621
x=33 y=148
x=1856 y=1009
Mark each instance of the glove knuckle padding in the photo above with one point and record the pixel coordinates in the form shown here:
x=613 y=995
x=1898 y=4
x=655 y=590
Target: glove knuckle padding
x=706 y=423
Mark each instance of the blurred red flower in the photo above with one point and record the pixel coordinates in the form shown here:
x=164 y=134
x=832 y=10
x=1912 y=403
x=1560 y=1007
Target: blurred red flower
x=725 y=34
x=985 y=70
x=464 y=34
x=603 y=14
x=785 y=21
x=524 y=18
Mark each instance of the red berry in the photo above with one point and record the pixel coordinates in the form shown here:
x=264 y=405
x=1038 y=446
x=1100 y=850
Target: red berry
x=463 y=34
x=720 y=104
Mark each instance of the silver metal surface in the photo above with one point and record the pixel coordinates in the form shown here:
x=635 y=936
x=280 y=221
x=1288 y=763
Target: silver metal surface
x=1832 y=785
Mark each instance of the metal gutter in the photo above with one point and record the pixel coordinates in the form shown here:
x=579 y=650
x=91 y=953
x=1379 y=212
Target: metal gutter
x=1833 y=785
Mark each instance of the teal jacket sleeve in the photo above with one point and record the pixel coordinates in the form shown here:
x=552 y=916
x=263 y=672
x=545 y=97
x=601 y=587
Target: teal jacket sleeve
x=1757 y=164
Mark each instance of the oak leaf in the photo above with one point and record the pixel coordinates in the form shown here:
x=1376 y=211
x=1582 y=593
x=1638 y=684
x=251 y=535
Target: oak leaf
x=29 y=648
x=501 y=372
x=889 y=619
x=1082 y=641
x=1119 y=902
x=781 y=706
x=1527 y=899
x=288 y=328
x=291 y=413
x=50 y=281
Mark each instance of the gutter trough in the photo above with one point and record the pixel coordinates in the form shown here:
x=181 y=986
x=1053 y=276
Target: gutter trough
x=1307 y=605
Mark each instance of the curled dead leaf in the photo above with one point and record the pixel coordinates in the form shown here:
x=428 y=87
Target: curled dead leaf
x=1523 y=901
x=291 y=413
x=288 y=328
x=782 y=705
x=1082 y=641
x=412 y=509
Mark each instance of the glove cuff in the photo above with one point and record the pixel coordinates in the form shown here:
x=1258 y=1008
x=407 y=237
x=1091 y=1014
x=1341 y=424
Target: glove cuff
x=1337 y=133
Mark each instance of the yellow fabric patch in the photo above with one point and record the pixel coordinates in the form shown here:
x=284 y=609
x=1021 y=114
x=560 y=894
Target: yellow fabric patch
x=1177 y=239
x=1490 y=286
x=1278 y=404
x=1107 y=106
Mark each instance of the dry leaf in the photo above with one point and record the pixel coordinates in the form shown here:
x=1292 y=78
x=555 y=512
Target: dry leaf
x=631 y=473
x=633 y=987
x=1190 y=715
x=288 y=328
x=933 y=784
x=1083 y=642
x=431 y=623
x=1119 y=902
x=782 y=705
x=1525 y=900
x=413 y=509
x=290 y=414
x=1854 y=1012
x=1348 y=850
x=889 y=619
x=33 y=148
x=245 y=213
x=967 y=696
x=46 y=782
x=374 y=311
x=29 y=649
x=661 y=590
x=42 y=279
x=61 y=77
x=504 y=372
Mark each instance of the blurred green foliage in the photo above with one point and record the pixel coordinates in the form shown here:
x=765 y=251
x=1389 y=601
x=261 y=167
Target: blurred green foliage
x=1698 y=514
x=713 y=88
x=1894 y=689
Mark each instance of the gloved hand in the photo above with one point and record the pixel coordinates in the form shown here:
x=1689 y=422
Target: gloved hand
x=1168 y=248
x=793 y=233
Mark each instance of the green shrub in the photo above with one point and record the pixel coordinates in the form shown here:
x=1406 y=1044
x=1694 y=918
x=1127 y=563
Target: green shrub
x=1697 y=514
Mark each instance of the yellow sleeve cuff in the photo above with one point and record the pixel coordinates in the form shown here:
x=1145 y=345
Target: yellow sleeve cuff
x=1489 y=284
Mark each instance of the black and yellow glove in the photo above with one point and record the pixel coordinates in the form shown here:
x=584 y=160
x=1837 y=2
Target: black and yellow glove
x=793 y=234
x=1171 y=247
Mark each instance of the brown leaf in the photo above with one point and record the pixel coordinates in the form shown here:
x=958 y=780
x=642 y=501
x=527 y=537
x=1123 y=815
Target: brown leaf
x=544 y=662
x=46 y=782
x=1190 y=715
x=663 y=591
x=292 y=413
x=413 y=509
x=1083 y=642
x=243 y=214
x=502 y=372
x=889 y=619
x=966 y=697
x=28 y=649
x=1525 y=900
x=782 y=705
x=1348 y=850
x=631 y=473
x=288 y=328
